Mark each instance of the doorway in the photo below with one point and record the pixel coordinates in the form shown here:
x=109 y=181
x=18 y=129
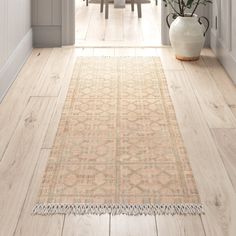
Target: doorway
x=123 y=28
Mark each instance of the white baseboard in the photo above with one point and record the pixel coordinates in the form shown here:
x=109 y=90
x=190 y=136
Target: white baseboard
x=225 y=57
x=9 y=71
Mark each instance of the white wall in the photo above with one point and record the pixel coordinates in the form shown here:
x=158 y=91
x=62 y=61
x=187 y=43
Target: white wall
x=223 y=34
x=15 y=39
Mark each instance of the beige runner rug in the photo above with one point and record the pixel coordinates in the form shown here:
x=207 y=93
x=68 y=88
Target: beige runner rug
x=118 y=148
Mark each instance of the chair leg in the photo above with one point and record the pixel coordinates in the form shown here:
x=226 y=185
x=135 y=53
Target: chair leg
x=139 y=10
x=156 y=2
x=132 y=5
x=86 y=2
x=106 y=9
x=101 y=6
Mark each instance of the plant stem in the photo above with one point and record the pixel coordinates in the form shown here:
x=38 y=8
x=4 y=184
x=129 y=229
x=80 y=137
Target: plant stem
x=195 y=8
x=173 y=8
x=182 y=2
x=180 y=10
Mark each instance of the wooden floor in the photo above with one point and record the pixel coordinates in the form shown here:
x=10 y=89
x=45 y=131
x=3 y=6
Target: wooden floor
x=123 y=28
x=205 y=102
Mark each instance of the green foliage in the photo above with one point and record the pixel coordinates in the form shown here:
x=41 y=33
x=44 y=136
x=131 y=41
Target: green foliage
x=180 y=7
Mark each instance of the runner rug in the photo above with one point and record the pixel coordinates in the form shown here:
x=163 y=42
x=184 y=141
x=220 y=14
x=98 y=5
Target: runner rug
x=118 y=148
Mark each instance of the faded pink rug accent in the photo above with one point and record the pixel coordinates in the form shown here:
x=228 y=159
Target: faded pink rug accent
x=118 y=148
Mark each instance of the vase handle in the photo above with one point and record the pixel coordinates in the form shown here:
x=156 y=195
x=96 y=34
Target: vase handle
x=208 y=23
x=167 y=18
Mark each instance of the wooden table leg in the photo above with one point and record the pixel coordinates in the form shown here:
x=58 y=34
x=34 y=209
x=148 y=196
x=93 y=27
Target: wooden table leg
x=139 y=10
x=132 y=5
x=101 y=6
x=106 y=9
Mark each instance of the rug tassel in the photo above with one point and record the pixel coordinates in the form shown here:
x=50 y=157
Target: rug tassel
x=118 y=209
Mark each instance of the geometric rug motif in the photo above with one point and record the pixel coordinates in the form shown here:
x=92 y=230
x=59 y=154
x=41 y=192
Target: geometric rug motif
x=118 y=147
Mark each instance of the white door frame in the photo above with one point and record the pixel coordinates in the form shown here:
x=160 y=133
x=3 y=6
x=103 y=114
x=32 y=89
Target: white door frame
x=68 y=23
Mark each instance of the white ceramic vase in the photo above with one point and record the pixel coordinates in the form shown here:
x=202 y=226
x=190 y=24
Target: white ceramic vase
x=187 y=37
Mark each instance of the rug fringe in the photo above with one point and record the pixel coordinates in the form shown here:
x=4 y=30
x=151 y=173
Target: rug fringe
x=118 y=209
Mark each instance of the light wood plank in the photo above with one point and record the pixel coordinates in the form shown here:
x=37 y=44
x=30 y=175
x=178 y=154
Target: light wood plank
x=215 y=188
x=83 y=17
x=18 y=96
x=29 y=224
x=53 y=125
x=221 y=78
x=132 y=28
x=114 y=26
x=215 y=109
x=211 y=173
x=87 y=52
x=147 y=52
x=168 y=59
x=86 y=225
x=20 y=158
x=104 y=52
x=233 y=109
x=179 y=226
x=97 y=27
x=122 y=225
x=226 y=143
x=125 y=51
x=151 y=32
x=78 y=52
x=51 y=80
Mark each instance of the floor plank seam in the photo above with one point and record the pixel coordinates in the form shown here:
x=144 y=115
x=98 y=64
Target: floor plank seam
x=62 y=95
x=27 y=194
x=203 y=226
x=49 y=123
x=222 y=95
x=62 y=228
x=42 y=96
x=109 y=226
x=197 y=99
x=219 y=202
x=222 y=158
x=156 y=225
x=16 y=125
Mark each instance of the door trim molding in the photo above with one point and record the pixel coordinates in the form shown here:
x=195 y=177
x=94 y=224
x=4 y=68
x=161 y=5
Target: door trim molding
x=225 y=57
x=68 y=22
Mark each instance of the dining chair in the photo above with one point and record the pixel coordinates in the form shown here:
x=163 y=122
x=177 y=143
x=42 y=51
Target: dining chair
x=138 y=7
x=132 y=5
x=106 y=7
x=86 y=2
x=101 y=5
